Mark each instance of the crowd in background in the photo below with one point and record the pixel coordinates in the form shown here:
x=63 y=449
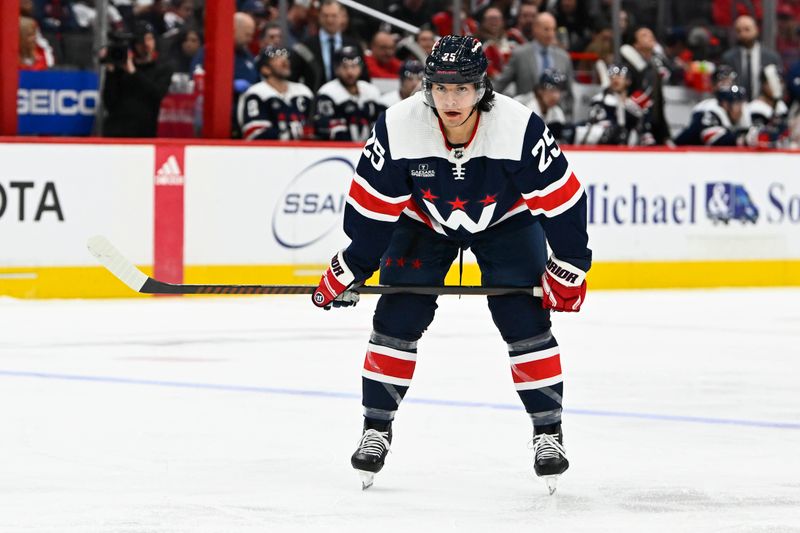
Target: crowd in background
x=335 y=69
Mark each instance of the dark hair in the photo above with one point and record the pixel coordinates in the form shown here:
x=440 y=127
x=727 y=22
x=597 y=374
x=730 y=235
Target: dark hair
x=486 y=103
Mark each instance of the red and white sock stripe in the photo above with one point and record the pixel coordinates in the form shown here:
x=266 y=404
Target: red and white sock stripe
x=389 y=365
x=538 y=369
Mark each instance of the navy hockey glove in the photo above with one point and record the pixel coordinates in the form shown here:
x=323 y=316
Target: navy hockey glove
x=334 y=284
x=563 y=286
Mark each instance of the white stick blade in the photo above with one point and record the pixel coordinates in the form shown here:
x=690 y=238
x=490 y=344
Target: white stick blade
x=115 y=262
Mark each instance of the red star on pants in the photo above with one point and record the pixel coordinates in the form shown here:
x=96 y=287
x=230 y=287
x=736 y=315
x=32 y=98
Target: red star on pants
x=401 y=262
x=427 y=195
x=490 y=199
x=388 y=261
x=458 y=203
x=416 y=264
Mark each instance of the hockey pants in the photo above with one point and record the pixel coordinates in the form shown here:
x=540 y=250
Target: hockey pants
x=418 y=256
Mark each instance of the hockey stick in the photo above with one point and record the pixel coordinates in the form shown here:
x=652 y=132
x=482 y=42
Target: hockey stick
x=137 y=280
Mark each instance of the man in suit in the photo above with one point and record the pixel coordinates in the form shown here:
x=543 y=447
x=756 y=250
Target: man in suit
x=748 y=57
x=529 y=61
x=312 y=59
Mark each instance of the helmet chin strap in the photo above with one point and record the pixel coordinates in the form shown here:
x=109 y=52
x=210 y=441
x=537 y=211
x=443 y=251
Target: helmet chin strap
x=466 y=119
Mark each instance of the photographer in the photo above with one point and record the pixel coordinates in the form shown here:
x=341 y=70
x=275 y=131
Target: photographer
x=135 y=84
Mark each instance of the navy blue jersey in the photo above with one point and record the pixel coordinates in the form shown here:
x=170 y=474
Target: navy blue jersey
x=342 y=116
x=511 y=169
x=709 y=126
x=612 y=120
x=264 y=113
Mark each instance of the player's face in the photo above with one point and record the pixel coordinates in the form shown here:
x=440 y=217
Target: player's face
x=348 y=72
x=454 y=102
x=551 y=97
x=619 y=84
x=735 y=110
x=279 y=65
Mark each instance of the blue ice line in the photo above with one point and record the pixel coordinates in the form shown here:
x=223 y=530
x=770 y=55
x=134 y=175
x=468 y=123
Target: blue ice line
x=422 y=401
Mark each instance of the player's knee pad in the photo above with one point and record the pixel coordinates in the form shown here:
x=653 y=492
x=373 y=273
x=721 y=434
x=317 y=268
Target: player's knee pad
x=404 y=316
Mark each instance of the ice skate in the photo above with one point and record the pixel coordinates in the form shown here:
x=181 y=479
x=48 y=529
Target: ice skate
x=550 y=459
x=371 y=453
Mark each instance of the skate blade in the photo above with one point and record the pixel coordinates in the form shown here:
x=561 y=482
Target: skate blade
x=367 y=479
x=551 y=482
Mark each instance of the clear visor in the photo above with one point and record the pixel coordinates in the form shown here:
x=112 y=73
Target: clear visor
x=452 y=96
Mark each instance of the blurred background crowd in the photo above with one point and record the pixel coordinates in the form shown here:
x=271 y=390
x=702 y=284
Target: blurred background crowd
x=639 y=73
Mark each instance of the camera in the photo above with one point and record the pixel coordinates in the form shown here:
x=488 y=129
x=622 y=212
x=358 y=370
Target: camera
x=119 y=44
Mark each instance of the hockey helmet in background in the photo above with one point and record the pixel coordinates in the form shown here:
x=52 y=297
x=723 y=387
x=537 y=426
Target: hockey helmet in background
x=731 y=93
x=411 y=68
x=724 y=75
x=551 y=79
x=617 y=69
x=455 y=59
x=347 y=54
x=269 y=52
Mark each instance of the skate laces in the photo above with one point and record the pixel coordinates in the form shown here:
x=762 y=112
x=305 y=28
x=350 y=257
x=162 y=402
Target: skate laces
x=546 y=446
x=374 y=442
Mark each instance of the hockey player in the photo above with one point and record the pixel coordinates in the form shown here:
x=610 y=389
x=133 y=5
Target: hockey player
x=274 y=108
x=544 y=100
x=714 y=121
x=346 y=108
x=769 y=111
x=410 y=82
x=614 y=118
x=457 y=166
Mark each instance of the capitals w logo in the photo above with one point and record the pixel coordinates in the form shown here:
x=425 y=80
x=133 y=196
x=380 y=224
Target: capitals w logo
x=459 y=218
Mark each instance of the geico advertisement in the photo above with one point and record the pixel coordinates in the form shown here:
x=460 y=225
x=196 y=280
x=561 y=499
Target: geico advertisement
x=691 y=206
x=53 y=197
x=284 y=205
x=262 y=205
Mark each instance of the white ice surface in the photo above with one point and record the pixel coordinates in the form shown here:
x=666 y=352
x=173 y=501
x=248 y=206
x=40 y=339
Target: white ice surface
x=240 y=414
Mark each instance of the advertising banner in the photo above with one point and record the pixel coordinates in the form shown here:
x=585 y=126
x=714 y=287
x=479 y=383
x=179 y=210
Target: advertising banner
x=56 y=102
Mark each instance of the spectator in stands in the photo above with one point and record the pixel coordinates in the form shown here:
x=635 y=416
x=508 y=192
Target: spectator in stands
x=410 y=82
x=184 y=48
x=613 y=118
x=496 y=43
x=530 y=60
x=443 y=21
x=297 y=22
x=381 y=61
x=274 y=108
x=601 y=47
x=179 y=15
x=415 y=12
x=573 y=24
x=258 y=10
x=748 y=57
x=32 y=55
x=787 y=40
x=426 y=39
x=312 y=60
x=133 y=90
x=417 y=46
x=152 y=12
x=526 y=17
x=272 y=36
x=646 y=84
x=244 y=67
x=346 y=107
x=544 y=100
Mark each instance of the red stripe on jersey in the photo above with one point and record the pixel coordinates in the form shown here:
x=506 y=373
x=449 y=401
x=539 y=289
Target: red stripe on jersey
x=556 y=198
x=251 y=130
x=412 y=206
x=709 y=133
x=536 y=370
x=373 y=203
x=388 y=365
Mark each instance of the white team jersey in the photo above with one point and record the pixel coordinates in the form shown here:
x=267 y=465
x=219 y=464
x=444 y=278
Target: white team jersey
x=389 y=99
x=554 y=115
x=334 y=90
x=759 y=113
